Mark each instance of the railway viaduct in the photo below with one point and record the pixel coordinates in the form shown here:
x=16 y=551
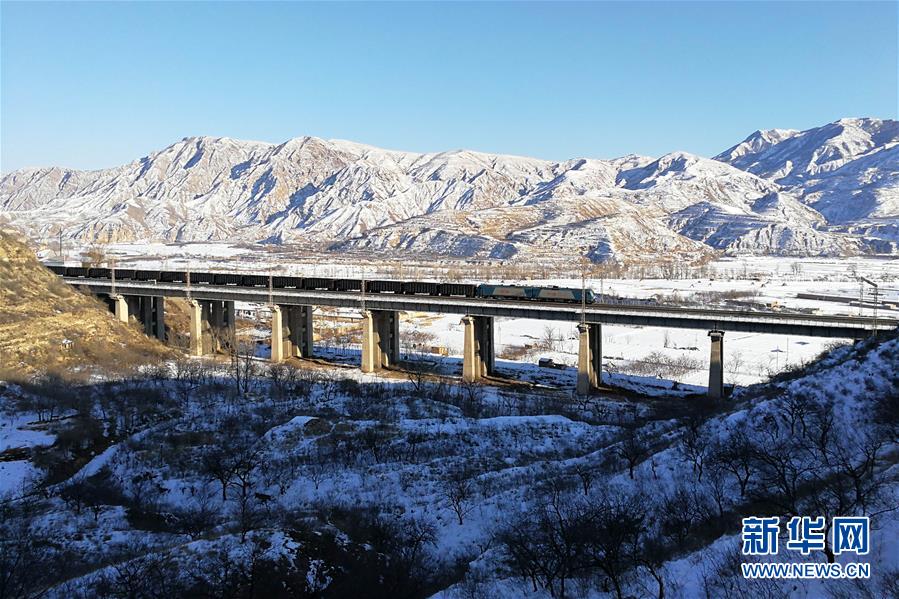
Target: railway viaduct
x=212 y=309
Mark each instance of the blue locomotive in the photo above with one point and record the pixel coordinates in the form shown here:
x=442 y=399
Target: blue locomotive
x=546 y=294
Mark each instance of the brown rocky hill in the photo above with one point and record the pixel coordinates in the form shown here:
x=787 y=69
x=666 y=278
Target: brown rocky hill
x=47 y=325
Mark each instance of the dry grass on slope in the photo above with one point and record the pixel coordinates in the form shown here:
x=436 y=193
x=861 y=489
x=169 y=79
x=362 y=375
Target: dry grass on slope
x=38 y=312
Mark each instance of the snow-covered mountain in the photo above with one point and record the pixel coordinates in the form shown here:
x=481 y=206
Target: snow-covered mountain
x=826 y=191
x=847 y=170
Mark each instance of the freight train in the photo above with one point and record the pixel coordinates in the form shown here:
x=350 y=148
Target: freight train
x=501 y=292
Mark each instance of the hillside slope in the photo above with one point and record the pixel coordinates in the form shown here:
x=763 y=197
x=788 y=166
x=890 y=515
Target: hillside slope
x=38 y=312
x=321 y=489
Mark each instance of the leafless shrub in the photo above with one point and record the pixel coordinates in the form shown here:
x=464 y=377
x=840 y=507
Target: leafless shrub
x=662 y=365
x=458 y=490
x=632 y=448
x=565 y=539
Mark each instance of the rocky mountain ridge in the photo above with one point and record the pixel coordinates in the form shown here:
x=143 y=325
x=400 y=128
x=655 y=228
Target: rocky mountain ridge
x=832 y=190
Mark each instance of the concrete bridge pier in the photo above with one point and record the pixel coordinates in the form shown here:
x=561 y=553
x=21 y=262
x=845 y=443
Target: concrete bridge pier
x=217 y=320
x=134 y=306
x=197 y=344
x=148 y=310
x=589 y=357
x=151 y=313
x=371 y=343
x=119 y=307
x=380 y=339
x=221 y=322
x=277 y=335
x=145 y=302
x=208 y=313
x=159 y=318
x=229 y=314
x=299 y=323
x=389 y=322
x=478 y=358
x=716 y=365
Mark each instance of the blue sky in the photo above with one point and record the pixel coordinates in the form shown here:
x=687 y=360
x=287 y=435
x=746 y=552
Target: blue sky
x=95 y=85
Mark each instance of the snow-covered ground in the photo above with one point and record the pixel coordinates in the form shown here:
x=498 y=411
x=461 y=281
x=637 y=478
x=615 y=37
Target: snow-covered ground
x=18 y=434
x=470 y=463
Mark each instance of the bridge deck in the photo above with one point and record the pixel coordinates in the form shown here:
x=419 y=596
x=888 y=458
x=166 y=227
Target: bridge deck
x=844 y=327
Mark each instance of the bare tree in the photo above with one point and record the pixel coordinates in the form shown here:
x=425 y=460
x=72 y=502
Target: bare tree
x=145 y=574
x=243 y=363
x=631 y=448
x=376 y=440
x=278 y=375
x=587 y=475
x=472 y=396
x=547 y=547
x=26 y=567
x=735 y=363
x=247 y=460
x=564 y=538
x=219 y=463
x=716 y=484
x=795 y=408
x=190 y=376
x=683 y=511
x=694 y=445
x=417 y=375
x=552 y=339
x=615 y=539
x=316 y=466
x=198 y=513
x=734 y=455
x=458 y=491
x=413 y=439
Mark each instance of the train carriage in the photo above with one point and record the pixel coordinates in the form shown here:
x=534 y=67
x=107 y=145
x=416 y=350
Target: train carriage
x=222 y=278
x=99 y=273
x=384 y=286
x=254 y=281
x=424 y=288
x=457 y=290
x=348 y=285
x=282 y=282
x=172 y=276
x=146 y=275
x=318 y=283
x=421 y=288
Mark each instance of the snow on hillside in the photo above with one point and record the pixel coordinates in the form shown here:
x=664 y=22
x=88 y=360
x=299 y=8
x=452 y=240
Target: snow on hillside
x=847 y=170
x=790 y=157
x=321 y=482
x=777 y=195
